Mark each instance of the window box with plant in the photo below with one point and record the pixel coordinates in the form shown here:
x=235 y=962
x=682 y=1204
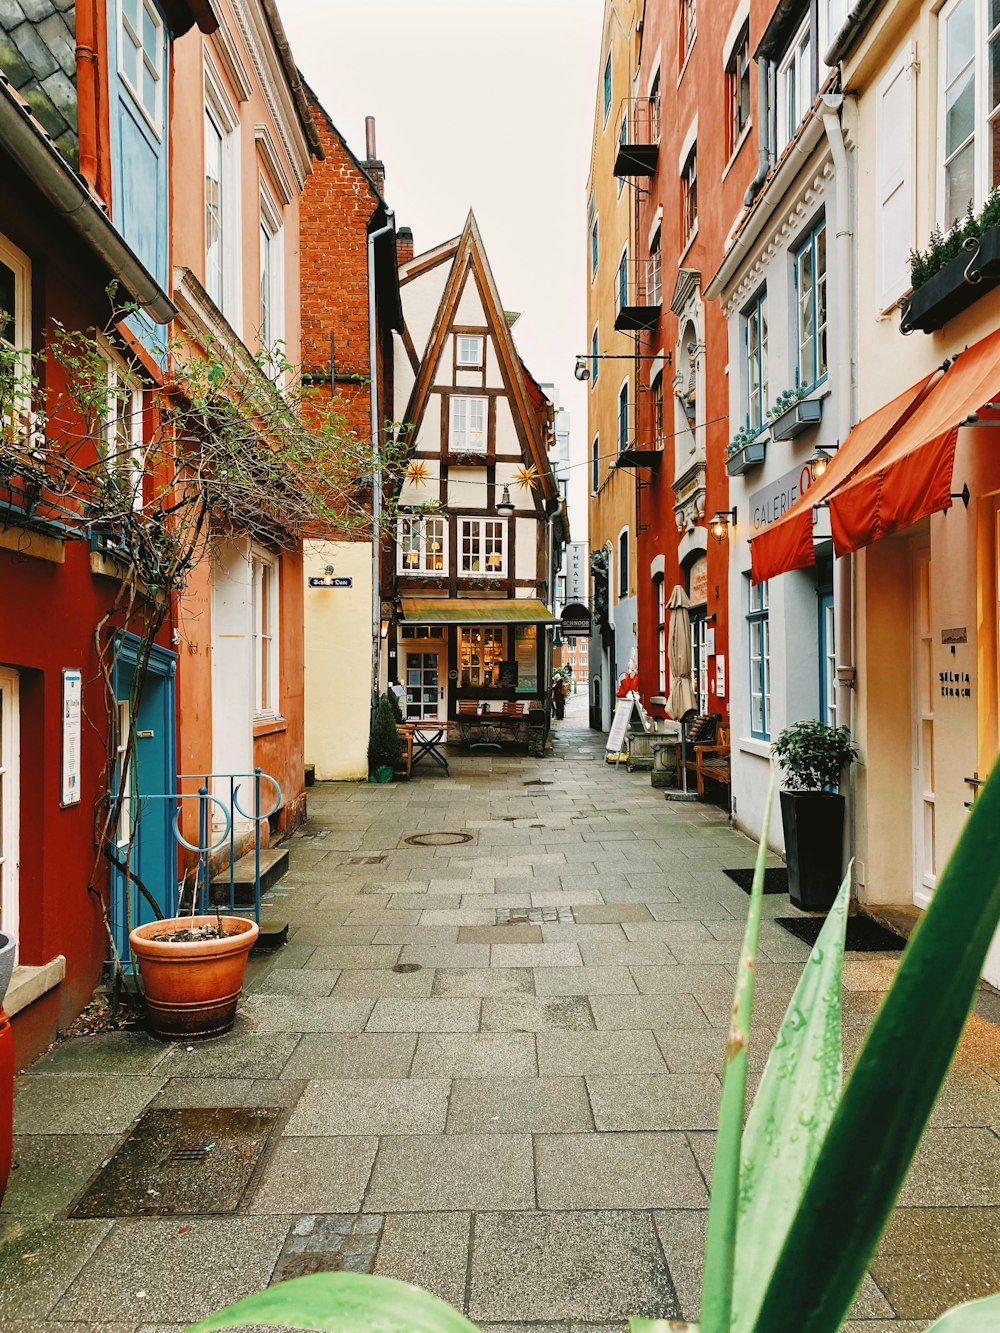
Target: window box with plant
x=956 y=269
x=792 y=412
x=745 y=451
x=813 y=757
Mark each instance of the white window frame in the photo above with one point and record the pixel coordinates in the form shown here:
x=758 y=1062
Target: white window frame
x=461 y=339
x=623 y=388
x=759 y=659
x=479 y=533
x=149 y=67
x=982 y=124
x=272 y=241
x=124 y=390
x=895 y=179
x=224 y=116
x=832 y=16
x=10 y=817
x=817 y=374
x=689 y=193
x=20 y=341
x=416 y=534
x=265 y=591
x=595 y=464
x=756 y=365
x=459 y=436
x=622 y=280
x=798 y=60
x=660 y=586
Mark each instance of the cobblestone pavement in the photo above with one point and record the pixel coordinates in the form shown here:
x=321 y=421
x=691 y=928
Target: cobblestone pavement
x=518 y=1116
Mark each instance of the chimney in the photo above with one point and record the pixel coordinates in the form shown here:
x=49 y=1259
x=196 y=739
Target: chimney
x=404 y=245
x=374 y=168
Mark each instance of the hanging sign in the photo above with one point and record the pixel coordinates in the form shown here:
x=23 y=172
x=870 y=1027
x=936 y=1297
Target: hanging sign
x=575 y=621
x=72 y=701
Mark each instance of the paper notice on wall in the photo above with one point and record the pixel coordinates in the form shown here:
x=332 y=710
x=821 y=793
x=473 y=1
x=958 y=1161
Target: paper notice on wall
x=72 y=701
x=526 y=658
x=720 y=677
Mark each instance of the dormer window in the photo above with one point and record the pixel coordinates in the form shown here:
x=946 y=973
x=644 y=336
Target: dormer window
x=469 y=351
x=795 y=85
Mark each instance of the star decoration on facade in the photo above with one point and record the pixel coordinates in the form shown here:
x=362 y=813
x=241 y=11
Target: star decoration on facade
x=416 y=473
x=526 y=476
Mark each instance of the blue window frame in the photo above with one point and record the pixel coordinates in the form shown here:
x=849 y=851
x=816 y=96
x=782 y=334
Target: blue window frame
x=595 y=363
x=621 y=281
x=595 y=465
x=623 y=416
x=759 y=642
x=595 y=248
x=607 y=89
x=827 y=659
x=755 y=353
x=811 y=308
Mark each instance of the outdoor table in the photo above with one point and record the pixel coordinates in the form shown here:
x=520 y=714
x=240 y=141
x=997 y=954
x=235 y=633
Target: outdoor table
x=490 y=729
x=426 y=743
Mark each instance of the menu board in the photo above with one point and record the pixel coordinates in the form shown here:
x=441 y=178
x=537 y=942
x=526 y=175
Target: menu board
x=526 y=658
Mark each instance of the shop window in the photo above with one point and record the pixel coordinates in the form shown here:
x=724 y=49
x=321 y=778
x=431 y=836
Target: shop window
x=623 y=571
x=467 y=434
x=738 y=90
x=421 y=546
x=795 y=93
x=810 y=292
x=969 y=67
x=421 y=632
x=480 y=656
x=264 y=583
x=755 y=348
x=469 y=351
x=760 y=660
x=483 y=546
x=689 y=196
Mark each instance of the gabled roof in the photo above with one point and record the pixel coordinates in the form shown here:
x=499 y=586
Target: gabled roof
x=313 y=101
x=469 y=260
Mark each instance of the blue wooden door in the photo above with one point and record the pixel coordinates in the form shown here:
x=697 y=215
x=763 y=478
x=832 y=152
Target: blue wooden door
x=147 y=811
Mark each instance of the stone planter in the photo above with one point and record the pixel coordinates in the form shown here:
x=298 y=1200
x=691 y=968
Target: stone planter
x=747 y=458
x=958 y=285
x=799 y=417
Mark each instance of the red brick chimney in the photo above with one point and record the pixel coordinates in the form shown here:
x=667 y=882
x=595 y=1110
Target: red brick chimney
x=404 y=245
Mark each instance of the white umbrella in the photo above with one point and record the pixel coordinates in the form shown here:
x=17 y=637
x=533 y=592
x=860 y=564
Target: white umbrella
x=681 y=698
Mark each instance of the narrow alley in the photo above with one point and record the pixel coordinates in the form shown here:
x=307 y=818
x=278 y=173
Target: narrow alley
x=486 y=1063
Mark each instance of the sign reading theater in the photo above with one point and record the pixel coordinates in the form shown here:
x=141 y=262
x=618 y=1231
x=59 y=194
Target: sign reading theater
x=769 y=503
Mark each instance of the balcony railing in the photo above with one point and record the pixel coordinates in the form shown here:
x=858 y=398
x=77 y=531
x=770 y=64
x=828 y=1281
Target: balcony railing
x=643 y=445
x=639 y=295
x=638 y=137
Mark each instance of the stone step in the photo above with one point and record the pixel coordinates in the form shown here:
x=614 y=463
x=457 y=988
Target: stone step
x=273 y=867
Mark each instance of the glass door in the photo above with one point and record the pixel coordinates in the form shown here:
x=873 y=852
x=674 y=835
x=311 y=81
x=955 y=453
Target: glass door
x=9 y=819
x=924 y=832
x=424 y=694
x=827 y=661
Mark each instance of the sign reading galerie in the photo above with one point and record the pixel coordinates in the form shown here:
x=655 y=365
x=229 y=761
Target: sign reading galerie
x=769 y=503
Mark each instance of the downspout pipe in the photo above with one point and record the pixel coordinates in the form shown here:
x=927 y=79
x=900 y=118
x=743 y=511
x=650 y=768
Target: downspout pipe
x=373 y=238
x=763 y=132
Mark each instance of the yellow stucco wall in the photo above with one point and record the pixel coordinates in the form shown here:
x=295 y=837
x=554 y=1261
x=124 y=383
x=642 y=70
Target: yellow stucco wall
x=338 y=661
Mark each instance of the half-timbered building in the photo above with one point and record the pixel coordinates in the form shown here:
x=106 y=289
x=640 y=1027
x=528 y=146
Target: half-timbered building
x=467 y=585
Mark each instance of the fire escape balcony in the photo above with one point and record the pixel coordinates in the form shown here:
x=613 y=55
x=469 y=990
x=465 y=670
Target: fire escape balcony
x=639 y=295
x=638 y=137
x=643 y=435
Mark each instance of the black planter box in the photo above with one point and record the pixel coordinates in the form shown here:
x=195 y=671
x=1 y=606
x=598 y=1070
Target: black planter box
x=814 y=847
x=957 y=286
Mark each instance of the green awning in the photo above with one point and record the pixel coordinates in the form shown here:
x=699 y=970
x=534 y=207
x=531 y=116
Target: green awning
x=476 y=611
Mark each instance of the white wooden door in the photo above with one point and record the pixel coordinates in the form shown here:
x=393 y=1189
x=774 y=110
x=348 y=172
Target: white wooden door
x=424 y=687
x=922 y=712
x=9 y=802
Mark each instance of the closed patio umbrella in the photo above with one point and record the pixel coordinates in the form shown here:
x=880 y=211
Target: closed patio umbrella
x=679 y=654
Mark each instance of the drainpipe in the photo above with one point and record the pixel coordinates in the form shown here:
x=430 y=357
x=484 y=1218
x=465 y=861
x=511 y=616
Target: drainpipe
x=373 y=236
x=763 y=132
x=87 y=91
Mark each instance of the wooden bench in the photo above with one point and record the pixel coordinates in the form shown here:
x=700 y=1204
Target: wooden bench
x=696 y=731
x=712 y=762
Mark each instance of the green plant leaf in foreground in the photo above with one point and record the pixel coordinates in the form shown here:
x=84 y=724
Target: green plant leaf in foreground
x=637 y=1325
x=892 y=1090
x=341 y=1303
x=720 y=1243
x=975 y=1317
x=791 y=1113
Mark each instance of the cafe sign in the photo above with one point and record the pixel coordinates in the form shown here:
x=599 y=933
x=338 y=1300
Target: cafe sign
x=769 y=503
x=575 y=621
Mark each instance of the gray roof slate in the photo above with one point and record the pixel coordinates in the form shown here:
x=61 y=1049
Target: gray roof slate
x=38 y=57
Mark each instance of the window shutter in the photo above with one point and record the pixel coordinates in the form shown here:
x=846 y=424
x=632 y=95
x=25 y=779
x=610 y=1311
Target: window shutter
x=895 y=153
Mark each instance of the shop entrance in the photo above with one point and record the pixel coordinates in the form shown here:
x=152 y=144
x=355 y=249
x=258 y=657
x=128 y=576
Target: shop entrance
x=922 y=712
x=425 y=699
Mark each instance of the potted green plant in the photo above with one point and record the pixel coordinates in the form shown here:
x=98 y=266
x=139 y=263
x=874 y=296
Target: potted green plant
x=385 y=748
x=812 y=756
x=745 y=450
x=957 y=268
x=792 y=412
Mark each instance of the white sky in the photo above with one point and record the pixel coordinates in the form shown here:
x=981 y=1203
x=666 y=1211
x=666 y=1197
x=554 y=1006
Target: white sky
x=485 y=104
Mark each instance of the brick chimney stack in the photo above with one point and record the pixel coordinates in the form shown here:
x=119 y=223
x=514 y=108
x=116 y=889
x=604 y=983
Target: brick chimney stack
x=371 y=164
x=404 y=245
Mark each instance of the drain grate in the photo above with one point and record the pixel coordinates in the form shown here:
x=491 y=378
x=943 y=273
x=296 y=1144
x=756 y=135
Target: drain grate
x=536 y=916
x=151 y=1174
x=536 y=782
x=363 y=861
x=337 y=1243
x=437 y=839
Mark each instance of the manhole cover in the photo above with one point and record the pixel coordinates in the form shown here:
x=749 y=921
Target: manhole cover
x=363 y=861
x=339 y=1243
x=181 y=1163
x=437 y=839
x=407 y=967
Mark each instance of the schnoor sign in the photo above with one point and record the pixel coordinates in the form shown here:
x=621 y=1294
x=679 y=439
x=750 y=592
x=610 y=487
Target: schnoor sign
x=769 y=503
x=575 y=621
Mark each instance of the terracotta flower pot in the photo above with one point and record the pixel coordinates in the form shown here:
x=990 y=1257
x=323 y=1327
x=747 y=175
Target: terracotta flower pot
x=192 y=988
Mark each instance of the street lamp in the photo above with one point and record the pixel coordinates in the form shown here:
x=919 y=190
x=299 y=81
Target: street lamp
x=505 y=505
x=723 y=521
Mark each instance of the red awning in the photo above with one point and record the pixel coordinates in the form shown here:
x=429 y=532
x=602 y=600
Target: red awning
x=788 y=543
x=911 y=477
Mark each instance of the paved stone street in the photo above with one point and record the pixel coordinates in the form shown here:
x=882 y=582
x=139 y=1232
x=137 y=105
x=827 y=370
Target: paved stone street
x=517 y=1116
